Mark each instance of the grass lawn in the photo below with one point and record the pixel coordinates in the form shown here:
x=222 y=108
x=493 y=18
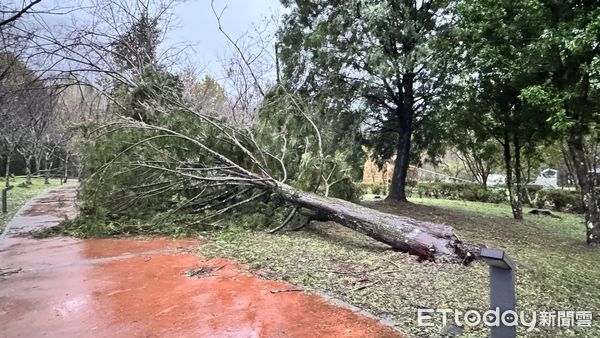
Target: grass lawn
x=19 y=195
x=556 y=270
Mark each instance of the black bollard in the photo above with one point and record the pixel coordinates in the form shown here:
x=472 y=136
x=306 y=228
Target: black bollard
x=4 y=199
x=502 y=289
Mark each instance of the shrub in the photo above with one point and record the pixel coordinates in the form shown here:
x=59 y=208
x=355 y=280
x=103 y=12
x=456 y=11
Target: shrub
x=559 y=200
x=533 y=189
x=529 y=193
x=460 y=191
x=377 y=188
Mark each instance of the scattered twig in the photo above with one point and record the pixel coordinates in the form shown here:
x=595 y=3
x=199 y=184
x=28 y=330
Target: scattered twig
x=7 y=271
x=286 y=290
x=391 y=262
x=348 y=272
x=285 y=221
x=364 y=286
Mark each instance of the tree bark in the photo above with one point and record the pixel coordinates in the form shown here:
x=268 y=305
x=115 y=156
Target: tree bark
x=7 y=172
x=518 y=209
x=38 y=163
x=429 y=241
x=28 y=168
x=48 y=165
x=405 y=116
x=398 y=183
x=586 y=185
x=66 y=171
x=484 y=179
x=515 y=203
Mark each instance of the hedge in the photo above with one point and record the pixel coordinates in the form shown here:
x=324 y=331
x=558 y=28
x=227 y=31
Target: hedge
x=555 y=199
x=559 y=200
x=460 y=191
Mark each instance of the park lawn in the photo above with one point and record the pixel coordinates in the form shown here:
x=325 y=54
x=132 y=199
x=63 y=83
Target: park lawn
x=18 y=195
x=556 y=270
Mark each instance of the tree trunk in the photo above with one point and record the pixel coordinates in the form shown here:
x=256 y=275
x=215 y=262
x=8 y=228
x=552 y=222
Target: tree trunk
x=66 y=172
x=47 y=170
x=484 y=179
x=515 y=203
x=518 y=209
x=398 y=184
x=28 y=169
x=586 y=186
x=7 y=172
x=405 y=116
x=38 y=164
x=429 y=241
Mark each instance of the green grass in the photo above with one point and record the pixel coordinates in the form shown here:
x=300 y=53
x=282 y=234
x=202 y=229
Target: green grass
x=556 y=270
x=20 y=194
x=570 y=224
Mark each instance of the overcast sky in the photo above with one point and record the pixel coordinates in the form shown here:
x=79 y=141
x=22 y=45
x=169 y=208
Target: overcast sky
x=198 y=26
x=195 y=24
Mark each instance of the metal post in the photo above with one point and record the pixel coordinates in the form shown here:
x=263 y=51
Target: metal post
x=502 y=290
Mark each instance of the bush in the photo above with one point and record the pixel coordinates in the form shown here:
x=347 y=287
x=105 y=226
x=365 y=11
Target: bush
x=559 y=200
x=377 y=188
x=460 y=191
x=555 y=199
x=533 y=189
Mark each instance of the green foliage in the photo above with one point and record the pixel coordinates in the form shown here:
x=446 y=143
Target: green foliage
x=559 y=200
x=555 y=199
x=136 y=48
x=313 y=159
x=114 y=191
x=377 y=188
x=369 y=63
x=211 y=95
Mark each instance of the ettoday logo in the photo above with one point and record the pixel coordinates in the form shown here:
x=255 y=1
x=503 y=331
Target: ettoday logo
x=496 y=317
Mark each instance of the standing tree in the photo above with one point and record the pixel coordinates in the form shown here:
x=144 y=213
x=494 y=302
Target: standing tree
x=21 y=110
x=208 y=94
x=39 y=113
x=136 y=48
x=498 y=65
x=479 y=157
x=367 y=61
x=569 y=59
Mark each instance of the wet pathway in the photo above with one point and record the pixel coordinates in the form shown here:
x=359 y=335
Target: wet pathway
x=64 y=287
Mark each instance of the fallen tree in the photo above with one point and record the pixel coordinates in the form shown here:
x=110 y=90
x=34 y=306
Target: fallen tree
x=430 y=241
x=222 y=167
x=158 y=152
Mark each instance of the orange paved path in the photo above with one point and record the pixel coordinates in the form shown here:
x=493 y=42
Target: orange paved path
x=63 y=287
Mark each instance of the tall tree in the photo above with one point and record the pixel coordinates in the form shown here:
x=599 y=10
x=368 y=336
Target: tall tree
x=368 y=61
x=137 y=47
x=497 y=66
x=22 y=110
x=569 y=56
